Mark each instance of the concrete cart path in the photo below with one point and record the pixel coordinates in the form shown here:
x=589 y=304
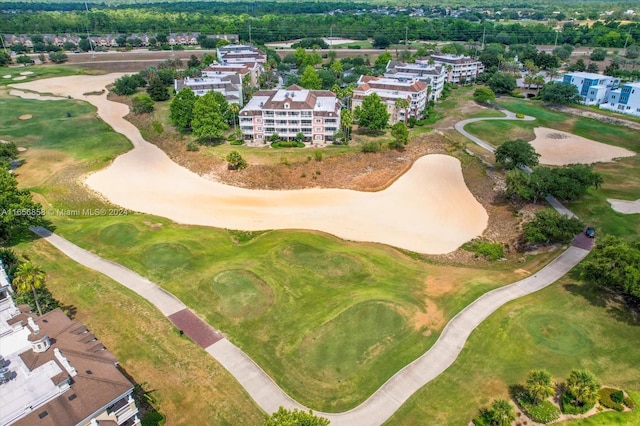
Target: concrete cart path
x=388 y=398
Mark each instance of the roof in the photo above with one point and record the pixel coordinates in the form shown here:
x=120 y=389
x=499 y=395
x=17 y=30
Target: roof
x=292 y=98
x=368 y=82
x=589 y=75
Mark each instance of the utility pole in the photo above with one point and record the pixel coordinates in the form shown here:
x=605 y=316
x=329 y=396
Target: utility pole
x=250 y=42
x=555 y=44
x=93 y=52
x=626 y=41
x=406 y=37
x=484 y=32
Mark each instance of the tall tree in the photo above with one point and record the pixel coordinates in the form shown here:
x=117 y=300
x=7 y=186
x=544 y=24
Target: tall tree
x=484 y=95
x=157 y=90
x=181 y=108
x=346 y=121
x=582 y=386
x=539 y=385
x=502 y=83
x=516 y=153
x=400 y=135
x=401 y=104
x=17 y=210
x=373 y=113
x=29 y=277
x=502 y=412
x=310 y=79
x=560 y=93
x=295 y=417
x=208 y=122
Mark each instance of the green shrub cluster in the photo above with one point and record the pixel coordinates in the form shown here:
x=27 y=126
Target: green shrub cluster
x=192 y=146
x=484 y=248
x=368 y=147
x=237 y=142
x=608 y=397
x=630 y=403
x=543 y=412
x=519 y=115
x=287 y=144
x=569 y=408
x=484 y=419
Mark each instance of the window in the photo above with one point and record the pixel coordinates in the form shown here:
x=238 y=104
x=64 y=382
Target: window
x=318 y=129
x=259 y=120
x=260 y=128
x=318 y=137
x=260 y=136
x=318 y=120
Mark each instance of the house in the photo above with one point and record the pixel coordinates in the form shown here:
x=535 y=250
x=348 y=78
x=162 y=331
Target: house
x=229 y=84
x=287 y=112
x=433 y=75
x=625 y=99
x=250 y=69
x=54 y=372
x=390 y=90
x=240 y=53
x=593 y=88
x=459 y=68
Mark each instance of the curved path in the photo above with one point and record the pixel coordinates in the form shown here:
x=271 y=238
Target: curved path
x=384 y=401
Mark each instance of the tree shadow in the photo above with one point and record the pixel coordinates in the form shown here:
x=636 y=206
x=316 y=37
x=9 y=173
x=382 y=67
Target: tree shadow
x=69 y=310
x=369 y=132
x=144 y=400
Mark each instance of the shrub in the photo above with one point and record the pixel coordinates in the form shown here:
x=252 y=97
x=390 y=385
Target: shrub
x=231 y=137
x=569 y=408
x=192 y=146
x=318 y=155
x=489 y=250
x=484 y=419
x=237 y=142
x=287 y=144
x=608 y=396
x=629 y=402
x=368 y=147
x=519 y=115
x=543 y=412
x=157 y=126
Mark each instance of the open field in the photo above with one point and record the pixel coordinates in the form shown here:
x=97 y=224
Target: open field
x=188 y=385
x=567 y=325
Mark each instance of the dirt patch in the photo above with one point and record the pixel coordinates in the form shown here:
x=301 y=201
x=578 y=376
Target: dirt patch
x=429 y=321
x=154 y=226
x=558 y=148
x=25 y=117
x=40 y=165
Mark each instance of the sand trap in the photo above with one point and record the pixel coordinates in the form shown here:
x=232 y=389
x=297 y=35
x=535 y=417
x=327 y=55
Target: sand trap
x=427 y=210
x=624 y=206
x=22 y=77
x=558 y=148
x=38 y=96
x=25 y=117
x=6 y=76
x=21 y=148
x=26 y=73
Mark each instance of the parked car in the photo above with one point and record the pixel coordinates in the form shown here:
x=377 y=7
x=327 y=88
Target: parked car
x=590 y=232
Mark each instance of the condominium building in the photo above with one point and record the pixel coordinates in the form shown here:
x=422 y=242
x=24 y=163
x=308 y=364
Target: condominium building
x=459 y=67
x=431 y=74
x=390 y=90
x=54 y=372
x=287 y=112
x=240 y=53
x=229 y=84
x=625 y=99
x=250 y=69
x=593 y=88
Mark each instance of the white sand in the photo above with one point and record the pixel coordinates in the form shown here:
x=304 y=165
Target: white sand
x=427 y=210
x=30 y=95
x=6 y=76
x=22 y=77
x=26 y=73
x=624 y=206
x=330 y=41
x=25 y=117
x=558 y=148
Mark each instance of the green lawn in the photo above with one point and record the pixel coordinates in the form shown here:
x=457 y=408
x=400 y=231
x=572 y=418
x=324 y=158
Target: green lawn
x=565 y=326
x=38 y=72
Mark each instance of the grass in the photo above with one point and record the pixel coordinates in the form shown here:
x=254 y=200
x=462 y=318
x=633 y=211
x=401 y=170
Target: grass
x=39 y=72
x=562 y=327
x=189 y=386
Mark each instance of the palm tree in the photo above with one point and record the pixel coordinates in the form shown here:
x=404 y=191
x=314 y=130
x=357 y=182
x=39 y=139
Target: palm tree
x=402 y=104
x=552 y=73
x=538 y=80
x=583 y=386
x=539 y=385
x=29 y=277
x=234 y=109
x=528 y=80
x=502 y=413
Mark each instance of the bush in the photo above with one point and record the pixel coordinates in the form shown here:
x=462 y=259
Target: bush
x=519 y=115
x=368 y=147
x=237 y=142
x=606 y=398
x=287 y=144
x=157 y=126
x=543 y=412
x=569 y=408
x=318 y=155
x=192 y=146
x=484 y=419
x=489 y=250
x=629 y=402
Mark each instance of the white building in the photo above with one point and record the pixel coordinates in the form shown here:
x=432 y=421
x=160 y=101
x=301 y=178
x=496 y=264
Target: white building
x=459 y=67
x=229 y=84
x=625 y=99
x=240 y=53
x=287 y=112
x=54 y=372
x=251 y=69
x=390 y=90
x=431 y=74
x=593 y=88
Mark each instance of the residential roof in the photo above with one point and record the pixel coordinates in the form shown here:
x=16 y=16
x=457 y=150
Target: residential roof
x=293 y=98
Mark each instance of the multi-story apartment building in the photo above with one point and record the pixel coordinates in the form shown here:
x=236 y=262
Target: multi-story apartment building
x=229 y=84
x=54 y=372
x=459 y=67
x=625 y=99
x=240 y=53
x=593 y=88
x=390 y=90
x=431 y=74
x=251 y=69
x=288 y=112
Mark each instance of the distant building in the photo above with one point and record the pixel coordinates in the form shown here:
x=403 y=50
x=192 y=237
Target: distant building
x=229 y=84
x=431 y=74
x=240 y=53
x=459 y=67
x=593 y=88
x=287 y=112
x=55 y=372
x=251 y=69
x=390 y=90
x=625 y=99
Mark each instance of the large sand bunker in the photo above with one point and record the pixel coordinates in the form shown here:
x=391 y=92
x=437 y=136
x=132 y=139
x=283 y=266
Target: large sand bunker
x=427 y=210
x=624 y=206
x=558 y=148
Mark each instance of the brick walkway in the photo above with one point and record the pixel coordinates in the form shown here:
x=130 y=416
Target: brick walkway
x=199 y=331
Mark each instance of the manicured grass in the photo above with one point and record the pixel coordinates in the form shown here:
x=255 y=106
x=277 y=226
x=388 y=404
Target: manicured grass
x=573 y=327
x=190 y=387
x=39 y=72
x=496 y=132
